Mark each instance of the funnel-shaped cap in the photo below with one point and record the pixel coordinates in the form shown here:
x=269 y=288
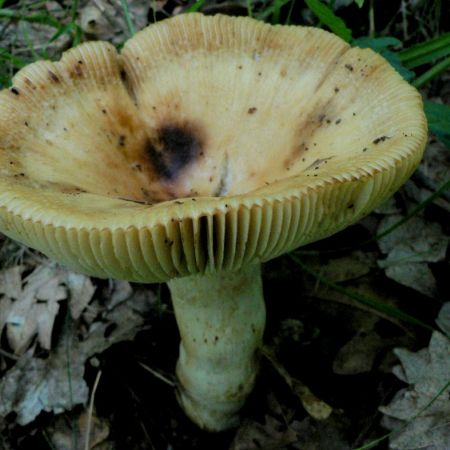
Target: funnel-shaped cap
x=207 y=144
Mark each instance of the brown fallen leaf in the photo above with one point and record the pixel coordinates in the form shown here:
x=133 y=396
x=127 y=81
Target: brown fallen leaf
x=105 y=19
x=359 y=353
x=69 y=433
x=327 y=434
x=314 y=406
x=272 y=435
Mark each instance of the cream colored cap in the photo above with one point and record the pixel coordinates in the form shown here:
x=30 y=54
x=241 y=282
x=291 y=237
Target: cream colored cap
x=207 y=144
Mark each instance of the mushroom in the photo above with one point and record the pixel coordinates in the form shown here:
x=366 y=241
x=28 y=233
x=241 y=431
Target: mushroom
x=208 y=146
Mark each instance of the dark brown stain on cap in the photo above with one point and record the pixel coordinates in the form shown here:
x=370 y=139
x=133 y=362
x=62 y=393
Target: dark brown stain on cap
x=176 y=146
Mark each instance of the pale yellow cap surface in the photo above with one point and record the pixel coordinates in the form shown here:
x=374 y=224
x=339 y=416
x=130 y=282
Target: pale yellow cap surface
x=208 y=143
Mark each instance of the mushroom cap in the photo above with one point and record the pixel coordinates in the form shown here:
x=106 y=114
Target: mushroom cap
x=206 y=144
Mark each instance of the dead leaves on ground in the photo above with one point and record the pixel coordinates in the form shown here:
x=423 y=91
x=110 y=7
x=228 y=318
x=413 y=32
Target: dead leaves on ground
x=280 y=431
x=28 y=309
x=105 y=19
x=30 y=304
x=315 y=407
x=409 y=249
x=419 y=414
x=83 y=431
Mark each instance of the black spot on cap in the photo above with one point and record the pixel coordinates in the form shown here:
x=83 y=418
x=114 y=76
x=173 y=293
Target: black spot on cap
x=380 y=139
x=53 y=76
x=175 y=148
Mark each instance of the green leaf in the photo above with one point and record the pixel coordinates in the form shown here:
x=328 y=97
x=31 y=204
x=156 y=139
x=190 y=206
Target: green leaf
x=196 y=6
x=432 y=72
x=273 y=10
x=328 y=18
x=382 y=46
x=425 y=52
x=360 y=3
x=438 y=117
x=277 y=5
x=378 y=44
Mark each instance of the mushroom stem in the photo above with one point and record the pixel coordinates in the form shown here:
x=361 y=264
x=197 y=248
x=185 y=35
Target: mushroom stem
x=221 y=319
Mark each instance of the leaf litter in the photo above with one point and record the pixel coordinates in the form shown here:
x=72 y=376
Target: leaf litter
x=56 y=383
x=409 y=249
x=420 y=413
x=29 y=305
x=68 y=432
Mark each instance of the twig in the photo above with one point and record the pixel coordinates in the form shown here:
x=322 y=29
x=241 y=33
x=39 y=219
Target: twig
x=371 y=20
x=91 y=410
x=9 y=355
x=158 y=375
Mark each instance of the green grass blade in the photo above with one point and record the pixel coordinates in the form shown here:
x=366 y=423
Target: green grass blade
x=425 y=52
x=42 y=18
x=128 y=19
x=74 y=10
x=375 y=442
x=328 y=18
x=276 y=10
x=249 y=8
x=436 y=70
x=271 y=11
x=14 y=60
x=372 y=303
x=72 y=29
x=196 y=6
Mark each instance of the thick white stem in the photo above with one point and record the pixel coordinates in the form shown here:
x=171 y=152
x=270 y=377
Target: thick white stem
x=221 y=319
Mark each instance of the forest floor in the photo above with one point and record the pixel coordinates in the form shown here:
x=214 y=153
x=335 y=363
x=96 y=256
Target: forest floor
x=358 y=326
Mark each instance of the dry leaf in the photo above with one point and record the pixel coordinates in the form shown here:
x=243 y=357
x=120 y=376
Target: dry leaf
x=28 y=39
x=81 y=292
x=358 y=354
x=435 y=164
x=54 y=384
x=121 y=290
x=32 y=312
x=345 y=268
x=314 y=406
x=409 y=248
x=105 y=19
x=57 y=383
x=426 y=372
x=443 y=318
x=322 y=435
x=11 y=281
x=68 y=433
x=273 y=435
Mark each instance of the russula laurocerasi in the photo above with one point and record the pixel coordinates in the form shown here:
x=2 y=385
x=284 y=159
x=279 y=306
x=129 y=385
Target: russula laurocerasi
x=209 y=145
